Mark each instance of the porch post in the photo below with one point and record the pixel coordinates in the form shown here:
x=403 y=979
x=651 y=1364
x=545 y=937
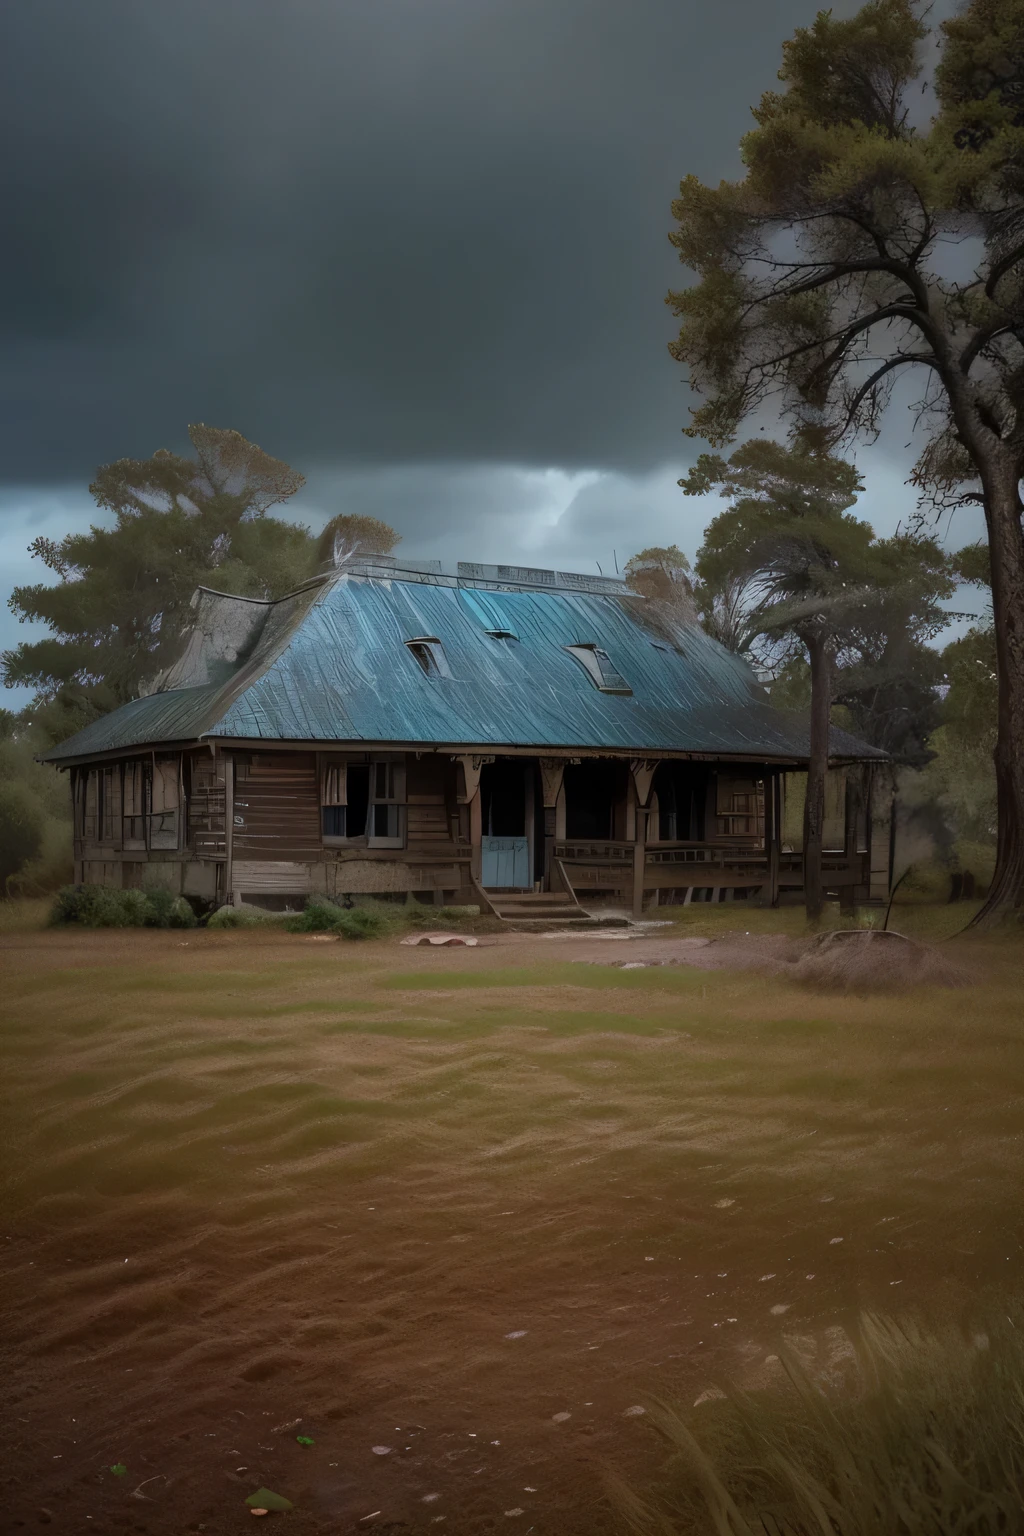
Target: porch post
x=476 y=827
x=643 y=770
x=229 y=829
x=847 y=895
x=639 y=861
x=772 y=835
x=552 y=770
x=469 y=794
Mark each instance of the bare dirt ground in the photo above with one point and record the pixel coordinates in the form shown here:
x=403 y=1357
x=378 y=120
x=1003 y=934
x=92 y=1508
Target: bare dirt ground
x=454 y=1214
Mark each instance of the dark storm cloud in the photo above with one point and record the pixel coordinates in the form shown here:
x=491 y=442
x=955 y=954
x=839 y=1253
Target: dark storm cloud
x=391 y=230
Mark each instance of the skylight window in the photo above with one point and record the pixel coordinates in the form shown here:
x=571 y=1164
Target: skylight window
x=489 y=613
x=598 y=666
x=429 y=652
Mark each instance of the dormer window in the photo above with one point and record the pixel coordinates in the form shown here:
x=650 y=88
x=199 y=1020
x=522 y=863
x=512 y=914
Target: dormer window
x=598 y=666
x=429 y=652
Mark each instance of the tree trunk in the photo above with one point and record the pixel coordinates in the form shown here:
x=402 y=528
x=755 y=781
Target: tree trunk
x=1006 y=550
x=817 y=766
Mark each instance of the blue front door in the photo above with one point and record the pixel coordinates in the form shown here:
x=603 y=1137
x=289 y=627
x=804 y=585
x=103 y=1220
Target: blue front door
x=505 y=863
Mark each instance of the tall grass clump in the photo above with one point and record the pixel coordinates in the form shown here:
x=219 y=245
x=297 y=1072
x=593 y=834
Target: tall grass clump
x=926 y=1438
x=370 y=919
x=246 y=917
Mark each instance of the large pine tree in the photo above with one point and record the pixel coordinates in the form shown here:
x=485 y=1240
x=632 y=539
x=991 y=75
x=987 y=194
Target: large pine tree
x=818 y=284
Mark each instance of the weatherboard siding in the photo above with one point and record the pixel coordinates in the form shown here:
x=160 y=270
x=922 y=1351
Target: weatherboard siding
x=277 y=808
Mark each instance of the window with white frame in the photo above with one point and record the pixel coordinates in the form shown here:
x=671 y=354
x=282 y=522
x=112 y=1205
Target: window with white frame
x=599 y=668
x=363 y=802
x=387 y=808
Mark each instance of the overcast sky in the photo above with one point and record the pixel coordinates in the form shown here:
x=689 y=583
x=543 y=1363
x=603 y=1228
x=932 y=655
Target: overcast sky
x=416 y=247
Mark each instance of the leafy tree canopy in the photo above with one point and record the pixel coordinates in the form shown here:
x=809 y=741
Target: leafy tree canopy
x=663 y=576
x=786 y=563
x=350 y=533
x=820 y=279
x=960 y=777
x=118 y=610
x=786 y=549
x=816 y=281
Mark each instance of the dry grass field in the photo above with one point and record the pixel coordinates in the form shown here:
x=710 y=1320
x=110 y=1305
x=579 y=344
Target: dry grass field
x=454 y=1215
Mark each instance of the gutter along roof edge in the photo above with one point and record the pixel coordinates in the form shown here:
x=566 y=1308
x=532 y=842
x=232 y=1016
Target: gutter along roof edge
x=439 y=749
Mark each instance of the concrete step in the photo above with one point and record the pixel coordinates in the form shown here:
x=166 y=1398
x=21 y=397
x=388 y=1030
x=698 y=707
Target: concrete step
x=581 y=920
x=534 y=914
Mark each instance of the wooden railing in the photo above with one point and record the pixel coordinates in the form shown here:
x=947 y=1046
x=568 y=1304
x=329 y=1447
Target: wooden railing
x=615 y=852
x=580 y=851
x=690 y=863
x=713 y=855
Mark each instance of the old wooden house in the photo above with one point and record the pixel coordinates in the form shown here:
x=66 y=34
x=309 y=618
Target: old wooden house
x=524 y=739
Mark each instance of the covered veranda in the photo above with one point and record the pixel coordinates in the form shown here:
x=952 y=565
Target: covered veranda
x=658 y=831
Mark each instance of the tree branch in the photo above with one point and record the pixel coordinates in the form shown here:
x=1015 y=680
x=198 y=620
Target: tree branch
x=980 y=341
x=897 y=269
x=1000 y=270
x=865 y=324
x=878 y=375
x=846 y=335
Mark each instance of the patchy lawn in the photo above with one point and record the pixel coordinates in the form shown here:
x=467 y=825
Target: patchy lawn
x=467 y=1205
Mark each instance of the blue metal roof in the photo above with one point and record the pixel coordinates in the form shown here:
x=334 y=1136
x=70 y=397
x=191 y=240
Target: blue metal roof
x=331 y=664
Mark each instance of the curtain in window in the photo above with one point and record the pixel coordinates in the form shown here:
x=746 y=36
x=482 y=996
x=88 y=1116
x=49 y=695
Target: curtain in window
x=334 y=790
x=334 y=800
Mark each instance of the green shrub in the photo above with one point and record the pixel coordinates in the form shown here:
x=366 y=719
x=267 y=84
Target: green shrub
x=366 y=923
x=105 y=906
x=318 y=916
x=165 y=910
x=99 y=906
x=368 y=919
x=135 y=906
x=102 y=906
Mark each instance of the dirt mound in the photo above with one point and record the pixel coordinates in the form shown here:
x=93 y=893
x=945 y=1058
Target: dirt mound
x=873 y=960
